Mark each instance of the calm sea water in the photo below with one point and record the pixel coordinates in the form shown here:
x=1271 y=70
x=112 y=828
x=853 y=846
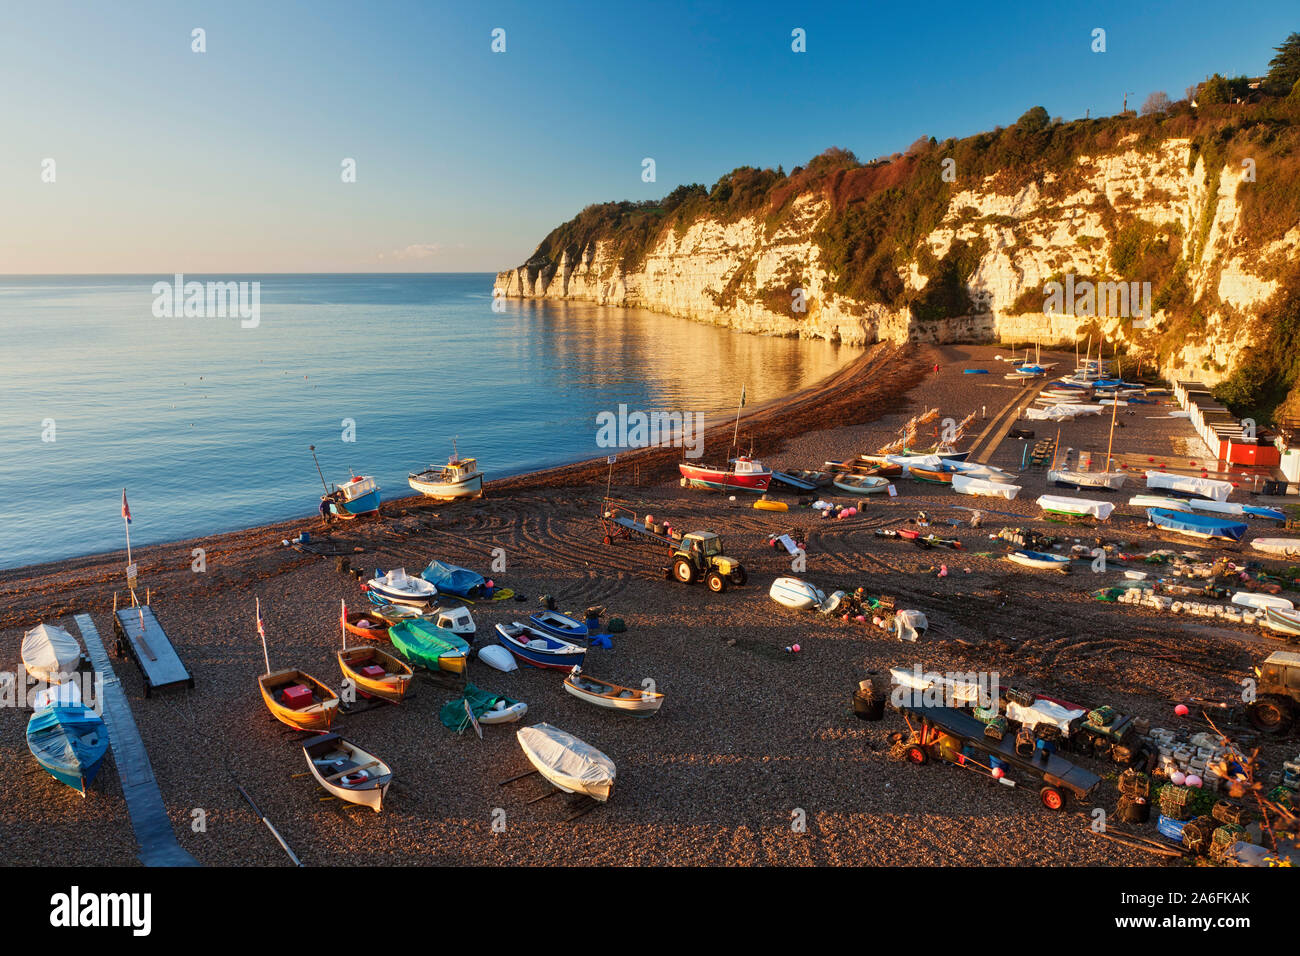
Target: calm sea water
x=207 y=424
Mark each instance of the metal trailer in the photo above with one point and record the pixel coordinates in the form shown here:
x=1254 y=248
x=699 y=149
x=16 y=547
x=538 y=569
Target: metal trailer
x=1059 y=778
x=140 y=636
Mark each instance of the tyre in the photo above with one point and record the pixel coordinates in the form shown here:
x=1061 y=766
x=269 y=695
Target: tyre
x=739 y=577
x=715 y=582
x=1271 y=714
x=1052 y=798
x=684 y=571
x=607 y=540
x=916 y=754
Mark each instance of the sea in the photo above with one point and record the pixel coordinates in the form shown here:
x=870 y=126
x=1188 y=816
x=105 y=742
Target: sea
x=206 y=419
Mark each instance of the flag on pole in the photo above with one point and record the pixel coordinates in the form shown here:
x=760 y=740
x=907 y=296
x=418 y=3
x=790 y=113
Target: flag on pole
x=260 y=630
x=126 y=510
x=742 y=396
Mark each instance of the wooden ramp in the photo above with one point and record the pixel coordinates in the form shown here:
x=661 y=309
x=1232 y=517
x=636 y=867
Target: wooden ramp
x=140 y=635
x=144 y=803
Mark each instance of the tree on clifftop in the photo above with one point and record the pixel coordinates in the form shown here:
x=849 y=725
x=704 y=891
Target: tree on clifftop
x=1157 y=102
x=1284 y=68
x=1035 y=119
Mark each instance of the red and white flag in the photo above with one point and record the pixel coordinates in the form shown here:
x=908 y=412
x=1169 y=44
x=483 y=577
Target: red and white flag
x=260 y=630
x=126 y=510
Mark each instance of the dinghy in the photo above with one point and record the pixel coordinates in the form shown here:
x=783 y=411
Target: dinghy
x=628 y=700
x=346 y=771
x=296 y=698
x=1040 y=560
x=1076 y=507
x=818 y=479
x=796 y=594
x=398 y=587
x=50 y=653
x=436 y=648
x=1284 y=622
x=487 y=708
x=1282 y=547
x=1203 y=487
x=937 y=476
x=1108 y=480
x=1195 y=526
x=494 y=655
x=459 y=478
x=69 y=743
x=531 y=646
x=794 y=481
x=365 y=624
x=570 y=764
x=966 y=485
x=973 y=469
x=557 y=624
x=1235 y=508
x=1261 y=601
x=1154 y=501
x=375 y=672
x=861 y=484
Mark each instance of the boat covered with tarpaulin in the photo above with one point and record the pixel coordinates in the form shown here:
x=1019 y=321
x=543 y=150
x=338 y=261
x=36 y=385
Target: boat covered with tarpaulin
x=1194 y=525
x=1190 y=485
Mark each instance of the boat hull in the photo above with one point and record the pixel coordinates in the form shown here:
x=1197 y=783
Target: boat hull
x=392 y=686
x=1192 y=525
x=718 y=479
x=69 y=743
x=1284 y=622
x=557 y=625
x=317 y=716
x=471 y=487
x=570 y=764
x=361 y=505
x=560 y=655
x=369 y=792
x=1039 y=561
x=931 y=477
x=607 y=696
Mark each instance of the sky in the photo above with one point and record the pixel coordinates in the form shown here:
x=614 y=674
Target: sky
x=231 y=160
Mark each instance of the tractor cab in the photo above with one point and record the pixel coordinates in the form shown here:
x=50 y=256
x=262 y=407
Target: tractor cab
x=1277 y=700
x=700 y=555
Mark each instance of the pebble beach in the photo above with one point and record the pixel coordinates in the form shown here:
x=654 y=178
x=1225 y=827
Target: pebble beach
x=755 y=758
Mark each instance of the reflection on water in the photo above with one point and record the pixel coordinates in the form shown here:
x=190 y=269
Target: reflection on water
x=208 y=424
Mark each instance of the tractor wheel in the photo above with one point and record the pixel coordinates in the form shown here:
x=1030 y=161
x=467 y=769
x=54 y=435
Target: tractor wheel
x=715 y=582
x=739 y=577
x=1271 y=714
x=916 y=754
x=1052 y=798
x=684 y=571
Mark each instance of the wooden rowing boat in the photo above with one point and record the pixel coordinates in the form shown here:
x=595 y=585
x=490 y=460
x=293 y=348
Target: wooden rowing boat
x=367 y=624
x=348 y=772
x=376 y=672
x=861 y=484
x=1284 y=622
x=939 y=477
x=319 y=706
x=436 y=648
x=627 y=700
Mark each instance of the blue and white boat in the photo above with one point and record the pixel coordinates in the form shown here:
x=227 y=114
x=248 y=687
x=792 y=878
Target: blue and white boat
x=1040 y=560
x=1194 y=525
x=538 y=648
x=69 y=742
x=359 y=495
x=560 y=625
x=398 y=587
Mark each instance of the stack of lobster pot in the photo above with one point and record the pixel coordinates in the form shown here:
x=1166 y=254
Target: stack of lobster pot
x=1134 y=797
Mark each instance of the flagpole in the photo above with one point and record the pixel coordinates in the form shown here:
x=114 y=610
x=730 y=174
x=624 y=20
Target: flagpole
x=126 y=524
x=262 y=634
x=735 y=433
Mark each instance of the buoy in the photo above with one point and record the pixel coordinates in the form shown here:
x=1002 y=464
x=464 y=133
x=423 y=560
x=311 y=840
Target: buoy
x=1177 y=778
x=1194 y=781
x=998 y=773
x=1182 y=710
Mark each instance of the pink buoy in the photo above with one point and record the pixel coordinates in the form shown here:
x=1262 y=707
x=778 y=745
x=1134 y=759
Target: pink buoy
x=1177 y=778
x=1182 y=710
x=796 y=648
x=1193 y=780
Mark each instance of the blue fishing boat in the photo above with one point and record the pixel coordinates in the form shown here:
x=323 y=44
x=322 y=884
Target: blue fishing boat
x=538 y=648
x=1195 y=525
x=359 y=495
x=561 y=625
x=70 y=743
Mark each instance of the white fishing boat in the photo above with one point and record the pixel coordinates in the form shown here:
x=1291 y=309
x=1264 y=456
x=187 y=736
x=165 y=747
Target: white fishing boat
x=796 y=594
x=1155 y=501
x=398 y=587
x=1076 y=507
x=1187 y=484
x=1109 y=480
x=570 y=764
x=50 y=653
x=1282 y=621
x=459 y=478
x=1261 y=601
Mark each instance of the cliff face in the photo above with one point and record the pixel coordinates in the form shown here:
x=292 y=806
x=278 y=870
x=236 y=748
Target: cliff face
x=1145 y=207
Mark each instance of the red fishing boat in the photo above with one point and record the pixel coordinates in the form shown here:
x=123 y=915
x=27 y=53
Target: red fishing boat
x=745 y=474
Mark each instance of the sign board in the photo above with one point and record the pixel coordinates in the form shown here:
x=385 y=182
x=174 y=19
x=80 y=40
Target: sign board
x=893 y=492
x=789 y=544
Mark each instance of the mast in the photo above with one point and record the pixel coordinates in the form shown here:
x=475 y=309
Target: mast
x=1114 y=406
x=312 y=449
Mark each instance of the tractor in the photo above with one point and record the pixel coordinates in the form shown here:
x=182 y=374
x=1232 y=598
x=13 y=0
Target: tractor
x=698 y=556
x=1277 y=693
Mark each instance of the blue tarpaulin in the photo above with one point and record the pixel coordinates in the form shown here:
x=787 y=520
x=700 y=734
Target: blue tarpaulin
x=450 y=579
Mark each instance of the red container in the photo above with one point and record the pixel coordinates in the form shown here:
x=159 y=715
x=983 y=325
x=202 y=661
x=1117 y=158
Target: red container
x=373 y=670
x=296 y=696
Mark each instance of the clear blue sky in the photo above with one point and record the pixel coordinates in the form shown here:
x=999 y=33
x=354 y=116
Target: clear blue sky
x=229 y=160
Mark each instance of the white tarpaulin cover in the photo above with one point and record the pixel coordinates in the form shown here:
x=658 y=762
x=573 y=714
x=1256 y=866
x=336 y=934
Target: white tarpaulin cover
x=1042 y=712
x=963 y=691
x=1154 y=501
x=1077 y=506
x=1251 y=599
x=926 y=462
x=967 y=485
x=1286 y=547
x=1058 y=413
x=50 y=652
x=1214 y=490
x=907 y=624
x=571 y=764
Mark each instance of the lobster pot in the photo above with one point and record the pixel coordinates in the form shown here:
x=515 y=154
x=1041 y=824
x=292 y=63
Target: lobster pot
x=1226 y=812
x=1025 y=742
x=996 y=728
x=1049 y=732
x=985 y=714
x=1228 y=834
x=1134 y=783
x=1133 y=810
x=1198 y=834
x=1103 y=716
x=1019 y=697
x=1174 y=801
